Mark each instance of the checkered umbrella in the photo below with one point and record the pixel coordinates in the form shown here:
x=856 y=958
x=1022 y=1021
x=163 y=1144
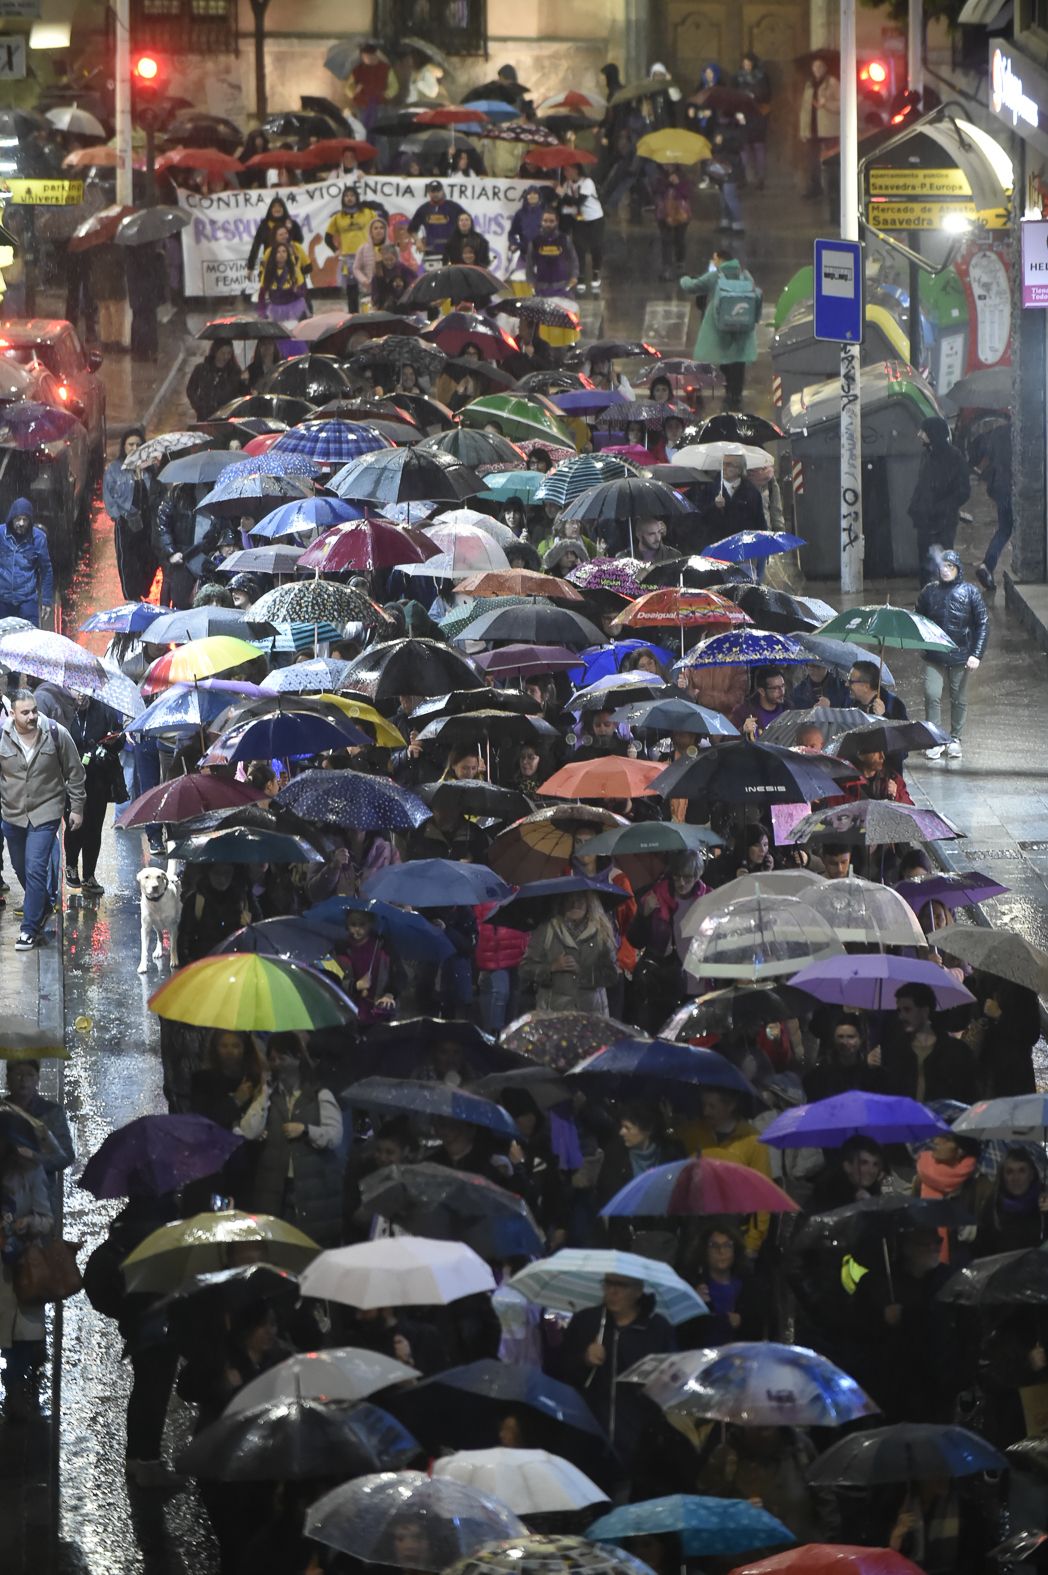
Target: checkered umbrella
x=329 y=442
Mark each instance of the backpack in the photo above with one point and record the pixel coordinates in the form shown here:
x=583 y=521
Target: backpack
x=736 y=305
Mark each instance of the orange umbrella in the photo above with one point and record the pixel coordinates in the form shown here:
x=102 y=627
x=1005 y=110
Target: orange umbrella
x=101 y=156
x=615 y=776
x=675 y=604
x=99 y=229
x=331 y=149
x=520 y=582
x=554 y=158
x=212 y=160
x=450 y=115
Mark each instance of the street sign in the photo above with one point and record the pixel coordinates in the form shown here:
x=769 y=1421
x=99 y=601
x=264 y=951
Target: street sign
x=12 y=59
x=41 y=193
x=1035 y=261
x=929 y=214
x=838 y=291
x=951 y=182
x=24 y=10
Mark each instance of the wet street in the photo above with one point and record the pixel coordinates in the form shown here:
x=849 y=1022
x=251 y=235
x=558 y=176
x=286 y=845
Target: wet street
x=998 y=794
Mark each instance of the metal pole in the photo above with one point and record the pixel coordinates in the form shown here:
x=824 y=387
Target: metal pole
x=914 y=49
x=122 y=107
x=851 y=430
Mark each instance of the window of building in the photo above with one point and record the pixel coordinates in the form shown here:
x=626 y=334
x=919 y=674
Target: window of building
x=197 y=27
x=455 y=27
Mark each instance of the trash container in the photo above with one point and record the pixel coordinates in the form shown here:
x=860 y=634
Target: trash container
x=894 y=402
x=798 y=359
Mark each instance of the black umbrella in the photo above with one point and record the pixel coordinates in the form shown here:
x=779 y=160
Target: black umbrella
x=194 y=128
x=991 y=388
x=548 y=382
x=399 y=475
x=538 y=900
x=428 y=413
x=152 y=224
x=535 y=623
x=410 y=667
x=907 y=1452
x=316 y=378
x=609 y=349
x=475 y=798
x=891 y=738
x=239 y=325
x=459 y=282
x=697 y=573
x=775 y=610
x=485 y=371
x=398 y=1049
x=647 y=412
x=496 y=727
x=222 y=433
x=277 y=406
x=475 y=447
x=742 y=772
x=407 y=1194
x=372 y=324
x=298 y=937
x=1008 y=1279
x=883 y=1216
x=461 y=701
x=399 y=350
x=541 y=1083
x=626 y=499
x=739 y=427
x=368 y=409
x=197 y=1314
x=299 y=1440
x=303 y=124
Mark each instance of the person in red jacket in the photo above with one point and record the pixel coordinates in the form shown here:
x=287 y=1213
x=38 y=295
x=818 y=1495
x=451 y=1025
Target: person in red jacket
x=877 y=780
x=498 y=956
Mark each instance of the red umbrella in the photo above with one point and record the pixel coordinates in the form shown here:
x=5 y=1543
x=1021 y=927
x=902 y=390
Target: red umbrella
x=719 y=1186
x=261 y=444
x=185 y=797
x=455 y=330
x=832 y=1558
x=362 y=545
x=684 y=608
x=332 y=148
x=554 y=158
x=212 y=160
x=519 y=582
x=449 y=115
x=99 y=229
x=616 y=776
x=280 y=159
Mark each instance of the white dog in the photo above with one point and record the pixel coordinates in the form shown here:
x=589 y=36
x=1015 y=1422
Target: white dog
x=160 y=904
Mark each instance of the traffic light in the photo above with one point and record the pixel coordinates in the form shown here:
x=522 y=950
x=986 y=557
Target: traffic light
x=148 y=81
x=147 y=69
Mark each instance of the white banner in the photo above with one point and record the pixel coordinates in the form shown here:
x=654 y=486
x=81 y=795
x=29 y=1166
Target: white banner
x=216 y=242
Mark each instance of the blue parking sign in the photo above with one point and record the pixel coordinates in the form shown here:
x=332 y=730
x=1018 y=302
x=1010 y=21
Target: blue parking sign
x=839 y=310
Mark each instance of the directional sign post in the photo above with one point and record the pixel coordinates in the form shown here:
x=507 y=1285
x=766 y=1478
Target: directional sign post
x=839 y=291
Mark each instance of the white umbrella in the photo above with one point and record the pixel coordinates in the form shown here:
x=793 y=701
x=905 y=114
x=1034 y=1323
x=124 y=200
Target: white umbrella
x=67 y=117
x=574 y=1278
x=527 y=1481
x=760 y=938
x=464 y=550
x=782 y=883
x=860 y=910
x=398 y=1271
x=711 y=456
x=452 y=519
x=344 y=1373
x=54 y=660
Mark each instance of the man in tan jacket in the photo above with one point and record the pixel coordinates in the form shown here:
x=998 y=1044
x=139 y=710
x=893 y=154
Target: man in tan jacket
x=40 y=769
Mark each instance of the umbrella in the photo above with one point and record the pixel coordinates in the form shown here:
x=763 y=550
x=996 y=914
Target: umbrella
x=249 y=994
x=454 y=331
x=53 y=659
x=399 y=1271
x=531 y=904
x=252 y=492
x=544 y=841
x=747 y=544
x=283 y=735
x=459 y=282
x=874 y=822
x=675 y=606
x=392 y=352
x=695 y=570
x=676 y=716
x=527 y=1481
x=447 y=525
x=519 y=582
x=157 y=1154
x=1007 y=1279
x=961 y=890
x=775 y=610
x=475 y=798
x=519 y=416
x=76 y=121
x=547 y=1088
x=905 y=1452
x=881 y=1216
x=171 y=1255
x=698 y=1186
x=262 y=560
x=413 y=1194
x=663 y=838
x=197 y=623
x=436 y=883
x=22 y=1040
x=152 y=224
x=1013 y=1117
x=197 y=128
x=557 y=156
x=745 y=648
x=461 y=1404
x=507 y=484
x=705 y=1526
x=674 y=147
x=603 y=662
x=739 y=427
x=886 y=625
x=838 y=655
x=613 y=575
x=405 y=475
x=295 y=1439
x=182 y=798
x=244 y=845
x=744 y=772
x=446 y=1520
x=99 y=229
x=128 y=618
x=241 y=326
x=889 y=737
x=830 y=720
x=760 y=938
x=824 y=1558
x=319 y=675
x=432 y=1101
x=342 y=1373
x=827 y=1123
x=788 y=883
x=410 y=667
x=317 y=601
x=756 y=1383
x=1001 y=952
x=205 y=466
x=535 y=1555
x=519 y=660
x=534 y=621
x=864 y=911
x=302 y=518
x=627 y=499
x=329 y=442
x=660 y=1062
x=870 y=983
x=574 y=1278
x=464 y=550
x=614 y=777
x=411 y=936
x=560 y=1039
x=474 y=447
x=352 y=799
x=212 y=160
x=989 y=388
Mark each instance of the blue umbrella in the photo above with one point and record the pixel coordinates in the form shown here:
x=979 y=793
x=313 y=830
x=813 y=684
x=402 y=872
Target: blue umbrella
x=529 y=905
x=573 y=1278
x=304 y=517
x=753 y=544
x=412 y=937
x=460 y=1404
x=329 y=442
x=298 y=636
x=602 y=661
x=437 y=883
x=759 y=1383
x=664 y=1061
x=647 y=1195
x=354 y=800
x=421 y=1098
x=286 y=735
x=300 y=937
x=493 y=108
x=705 y=1526
x=322 y=675
x=827 y=1123
x=186 y=708
x=744 y=648
x=676 y=716
x=522 y=484
x=26 y=425
x=157 y=1154
x=128 y=618
x=585 y=399
x=572 y=477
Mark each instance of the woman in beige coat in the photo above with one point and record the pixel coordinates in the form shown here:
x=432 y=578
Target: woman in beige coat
x=820 y=121
x=571 y=959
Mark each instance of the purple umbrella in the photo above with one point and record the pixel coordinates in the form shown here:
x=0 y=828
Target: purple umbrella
x=827 y=1123
x=953 y=891
x=157 y=1154
x=870 y=982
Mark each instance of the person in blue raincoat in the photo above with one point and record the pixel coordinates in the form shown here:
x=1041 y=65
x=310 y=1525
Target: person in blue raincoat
x=731 y=351
x=27 y=582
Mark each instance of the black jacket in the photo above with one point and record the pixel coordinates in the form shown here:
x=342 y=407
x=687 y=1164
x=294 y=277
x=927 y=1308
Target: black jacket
x=942 y=481
x=743 y=510
x=960 y=612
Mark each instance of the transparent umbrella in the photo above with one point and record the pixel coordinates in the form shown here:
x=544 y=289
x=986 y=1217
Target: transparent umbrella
x=527 y=1481
x=408 y=1520
x=861 y=910
x=757 y=1383
x=344 y=1373
x=785 y=883
x=760 y=938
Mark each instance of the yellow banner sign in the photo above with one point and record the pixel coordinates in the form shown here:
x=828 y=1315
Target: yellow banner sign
x=932 y=215
x=41 y=193
x=918 y=183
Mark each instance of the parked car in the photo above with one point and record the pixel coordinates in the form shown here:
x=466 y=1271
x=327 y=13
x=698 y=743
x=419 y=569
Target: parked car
x=56 y=476
x=57 y=345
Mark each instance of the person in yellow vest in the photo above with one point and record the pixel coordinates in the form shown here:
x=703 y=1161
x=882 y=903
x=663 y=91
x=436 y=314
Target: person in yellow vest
x=346 y=232
x=298 y=252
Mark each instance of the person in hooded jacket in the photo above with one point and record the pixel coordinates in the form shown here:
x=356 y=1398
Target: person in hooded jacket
x=125 y=494
x=27 y=582
x=276 y=215
x=957 y=607
x=729 y=350
x=216 y=380
x=942 y=487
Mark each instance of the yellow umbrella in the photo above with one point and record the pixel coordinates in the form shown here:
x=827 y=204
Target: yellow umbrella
x=386 y=735
x=248 y=993
x=217 y=653
x=208 y=1242
x=674 y=147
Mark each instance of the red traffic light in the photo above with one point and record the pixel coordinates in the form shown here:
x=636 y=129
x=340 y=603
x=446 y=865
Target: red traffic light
x=878 y=71
x=147 y=69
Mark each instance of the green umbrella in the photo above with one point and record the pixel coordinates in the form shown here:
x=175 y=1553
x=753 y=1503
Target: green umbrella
x=463 y=615
x=888 y=626
x=519 y=416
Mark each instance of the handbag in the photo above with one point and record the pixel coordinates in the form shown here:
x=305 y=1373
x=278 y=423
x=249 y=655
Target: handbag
x=677 y=212
x=47 y=1272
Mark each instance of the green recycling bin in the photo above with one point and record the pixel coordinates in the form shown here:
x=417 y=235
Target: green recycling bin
x=798 y=359
x=894 y=401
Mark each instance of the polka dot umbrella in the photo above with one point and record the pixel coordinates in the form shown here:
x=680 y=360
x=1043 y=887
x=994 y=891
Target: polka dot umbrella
x=317 y=601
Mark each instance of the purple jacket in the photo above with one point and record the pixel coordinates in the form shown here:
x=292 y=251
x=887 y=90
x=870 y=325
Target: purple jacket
x=551 y=263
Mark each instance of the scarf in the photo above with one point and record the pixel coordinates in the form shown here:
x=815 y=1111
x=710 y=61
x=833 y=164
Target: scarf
x=1025 y=1203
x=943 y=1181
x=642 y=1159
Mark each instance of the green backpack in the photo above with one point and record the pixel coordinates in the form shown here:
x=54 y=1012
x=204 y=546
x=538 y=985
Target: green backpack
x=736 y=305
